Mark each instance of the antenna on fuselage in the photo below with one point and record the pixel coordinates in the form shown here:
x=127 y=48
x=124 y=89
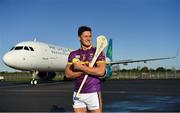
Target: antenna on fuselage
x=34 y=39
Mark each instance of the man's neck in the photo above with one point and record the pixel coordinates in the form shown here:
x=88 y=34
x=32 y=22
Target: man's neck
x=85 y=48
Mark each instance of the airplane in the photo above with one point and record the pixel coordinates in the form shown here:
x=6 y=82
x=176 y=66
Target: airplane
x=43 y=59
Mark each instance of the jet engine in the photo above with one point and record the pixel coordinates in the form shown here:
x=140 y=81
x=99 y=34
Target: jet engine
x=46 y=75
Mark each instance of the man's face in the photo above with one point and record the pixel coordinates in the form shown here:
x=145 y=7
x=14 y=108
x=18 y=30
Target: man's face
x=85 y=38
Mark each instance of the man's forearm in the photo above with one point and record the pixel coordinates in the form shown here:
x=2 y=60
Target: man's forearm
x=71 y=74
x=98 y=71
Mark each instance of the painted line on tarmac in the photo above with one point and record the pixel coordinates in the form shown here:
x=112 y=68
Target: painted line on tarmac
x=142 y=92
x=115 y=92
x=39 y=91
x=28 y=85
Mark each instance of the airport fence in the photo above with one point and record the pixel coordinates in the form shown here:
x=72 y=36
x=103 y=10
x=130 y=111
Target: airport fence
x=26 y=76
x=16 y=76
x=146 y=75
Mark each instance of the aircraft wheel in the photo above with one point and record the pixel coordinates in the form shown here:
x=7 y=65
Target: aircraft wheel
x=31 y=82
x=34 y=82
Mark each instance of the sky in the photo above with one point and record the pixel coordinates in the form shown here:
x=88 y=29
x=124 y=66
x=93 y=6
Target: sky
x=140 y=29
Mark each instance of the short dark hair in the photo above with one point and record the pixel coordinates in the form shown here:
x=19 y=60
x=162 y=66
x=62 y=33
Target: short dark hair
x=82 y=29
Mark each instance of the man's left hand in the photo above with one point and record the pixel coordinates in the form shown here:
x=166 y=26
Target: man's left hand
x=78 y=65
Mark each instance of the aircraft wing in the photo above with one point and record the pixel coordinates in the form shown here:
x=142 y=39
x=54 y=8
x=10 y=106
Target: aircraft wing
x=125 y=62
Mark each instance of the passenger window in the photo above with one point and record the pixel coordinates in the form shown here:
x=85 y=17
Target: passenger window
x=26 y=48
x=31 y=49
x=18 y=48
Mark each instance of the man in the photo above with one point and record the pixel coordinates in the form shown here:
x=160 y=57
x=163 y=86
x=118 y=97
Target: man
x=90 y=95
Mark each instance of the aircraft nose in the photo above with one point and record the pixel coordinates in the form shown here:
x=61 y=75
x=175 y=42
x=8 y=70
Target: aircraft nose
x=7 y=59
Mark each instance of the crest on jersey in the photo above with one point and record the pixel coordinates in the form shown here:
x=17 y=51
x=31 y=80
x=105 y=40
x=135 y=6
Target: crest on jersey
x=91 y=55
x=77 y=56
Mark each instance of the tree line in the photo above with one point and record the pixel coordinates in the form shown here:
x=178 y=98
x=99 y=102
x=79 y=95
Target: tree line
x=146 y=69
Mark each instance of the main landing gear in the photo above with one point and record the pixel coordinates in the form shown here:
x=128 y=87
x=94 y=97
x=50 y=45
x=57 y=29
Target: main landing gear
x=34 y=75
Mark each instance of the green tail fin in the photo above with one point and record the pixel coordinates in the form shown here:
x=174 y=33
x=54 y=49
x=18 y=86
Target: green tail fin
x=109 y=50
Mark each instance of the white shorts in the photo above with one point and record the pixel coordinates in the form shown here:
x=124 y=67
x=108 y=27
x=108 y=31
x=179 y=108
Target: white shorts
x=90 y=100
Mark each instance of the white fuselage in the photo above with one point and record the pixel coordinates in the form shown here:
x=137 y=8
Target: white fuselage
x=32 y=55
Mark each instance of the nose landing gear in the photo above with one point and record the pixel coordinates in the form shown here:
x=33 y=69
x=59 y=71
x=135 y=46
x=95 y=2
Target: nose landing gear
x=34 y=75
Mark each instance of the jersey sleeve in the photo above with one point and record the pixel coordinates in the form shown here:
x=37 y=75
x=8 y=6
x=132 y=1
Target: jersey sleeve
x=70 y=57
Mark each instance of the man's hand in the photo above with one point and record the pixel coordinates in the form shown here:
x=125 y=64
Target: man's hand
x=77 y=65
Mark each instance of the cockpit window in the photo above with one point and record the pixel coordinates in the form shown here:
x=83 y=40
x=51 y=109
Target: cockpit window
x=31 y=49
x=22 y=48
x=12 y=48
x=18 y=48
x=26 y=48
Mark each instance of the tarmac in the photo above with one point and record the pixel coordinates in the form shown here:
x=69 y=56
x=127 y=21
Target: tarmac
x=117 y=96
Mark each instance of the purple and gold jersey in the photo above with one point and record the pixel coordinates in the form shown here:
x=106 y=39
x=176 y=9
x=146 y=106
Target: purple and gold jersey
x=92 y=83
